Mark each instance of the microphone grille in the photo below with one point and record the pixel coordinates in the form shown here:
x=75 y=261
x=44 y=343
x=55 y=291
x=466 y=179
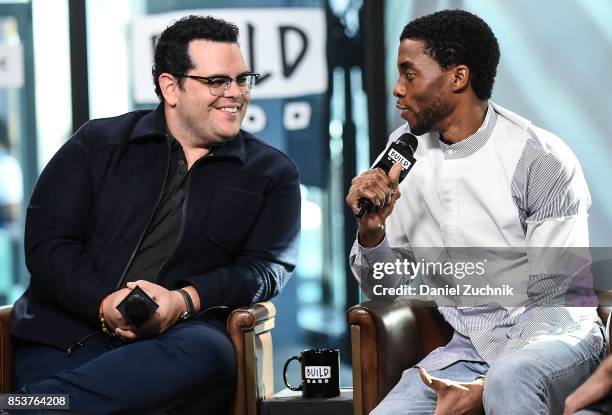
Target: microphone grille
x=408 y=140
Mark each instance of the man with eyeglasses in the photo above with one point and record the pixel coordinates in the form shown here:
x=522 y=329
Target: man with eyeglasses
x=177 y=201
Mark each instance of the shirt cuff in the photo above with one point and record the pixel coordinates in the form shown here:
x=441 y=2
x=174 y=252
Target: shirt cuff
x=384 y=244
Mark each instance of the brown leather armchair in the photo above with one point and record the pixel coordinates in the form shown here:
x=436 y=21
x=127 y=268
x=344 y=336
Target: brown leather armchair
x=250 y=331
x=388 y=337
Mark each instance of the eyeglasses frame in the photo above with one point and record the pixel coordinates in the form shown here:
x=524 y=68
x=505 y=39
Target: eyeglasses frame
x=228 y=83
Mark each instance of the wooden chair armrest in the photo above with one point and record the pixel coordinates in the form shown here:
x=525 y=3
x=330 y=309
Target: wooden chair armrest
x=249 y=329
x=259 y=317
x=6 y=352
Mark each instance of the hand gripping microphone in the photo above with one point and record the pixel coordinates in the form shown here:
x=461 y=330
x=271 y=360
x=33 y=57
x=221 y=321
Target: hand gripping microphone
x=400 y=151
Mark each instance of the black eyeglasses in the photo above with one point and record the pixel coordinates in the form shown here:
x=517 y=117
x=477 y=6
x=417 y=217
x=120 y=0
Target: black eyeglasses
x=219 y=85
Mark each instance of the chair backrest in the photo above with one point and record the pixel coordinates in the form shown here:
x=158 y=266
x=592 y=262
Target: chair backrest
x=386 y=338
x=6 y=351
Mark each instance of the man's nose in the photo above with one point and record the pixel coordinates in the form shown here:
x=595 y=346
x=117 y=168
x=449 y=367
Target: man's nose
x=399 y=90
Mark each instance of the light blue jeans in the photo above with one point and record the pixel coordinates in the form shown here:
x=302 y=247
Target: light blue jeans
x=533 y=380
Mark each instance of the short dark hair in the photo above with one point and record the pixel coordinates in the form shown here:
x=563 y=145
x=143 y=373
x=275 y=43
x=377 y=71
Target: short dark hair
x=457 y=37
x=171 y=51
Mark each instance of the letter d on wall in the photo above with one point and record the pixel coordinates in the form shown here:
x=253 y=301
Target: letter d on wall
x=289 y=67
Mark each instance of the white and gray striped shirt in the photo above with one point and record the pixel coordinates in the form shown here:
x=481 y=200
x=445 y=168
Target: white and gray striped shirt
x=509 y=185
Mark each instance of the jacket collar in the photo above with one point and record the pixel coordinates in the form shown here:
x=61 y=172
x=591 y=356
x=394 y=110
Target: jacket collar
x=153 y=124
x=233 y=148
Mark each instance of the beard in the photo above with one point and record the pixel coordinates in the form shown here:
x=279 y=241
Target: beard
x=433 y=112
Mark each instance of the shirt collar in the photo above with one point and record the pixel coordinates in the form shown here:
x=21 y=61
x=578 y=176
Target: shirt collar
x=473 y=143
x=153 y=124
x=175 y=146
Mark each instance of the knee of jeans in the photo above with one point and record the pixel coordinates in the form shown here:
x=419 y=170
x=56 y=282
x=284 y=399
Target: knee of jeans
x=210 y=351
x=409 y=395
x=506 y=380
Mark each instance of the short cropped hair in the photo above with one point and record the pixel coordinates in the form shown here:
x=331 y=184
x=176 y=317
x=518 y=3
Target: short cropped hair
x=457 y=37
x=171 y=51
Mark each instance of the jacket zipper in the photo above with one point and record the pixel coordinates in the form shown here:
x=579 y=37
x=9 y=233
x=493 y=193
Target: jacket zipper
x=161 y=193
x=183 y=213
x=80 y=341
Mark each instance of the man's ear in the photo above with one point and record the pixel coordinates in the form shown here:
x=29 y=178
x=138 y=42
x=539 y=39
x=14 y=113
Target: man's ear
x=460 y=77
x=169 y=87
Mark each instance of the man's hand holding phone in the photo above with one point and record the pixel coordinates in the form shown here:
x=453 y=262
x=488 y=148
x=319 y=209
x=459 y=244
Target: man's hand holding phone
x=170 y=306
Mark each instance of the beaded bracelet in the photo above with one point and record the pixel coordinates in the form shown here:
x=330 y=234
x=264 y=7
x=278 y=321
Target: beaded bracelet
x=105 y=328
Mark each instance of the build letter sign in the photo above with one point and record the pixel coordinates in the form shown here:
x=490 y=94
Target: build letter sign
x=286 y=46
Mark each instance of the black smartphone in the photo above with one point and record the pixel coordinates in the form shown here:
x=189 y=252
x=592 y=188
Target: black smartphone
x=137 y=307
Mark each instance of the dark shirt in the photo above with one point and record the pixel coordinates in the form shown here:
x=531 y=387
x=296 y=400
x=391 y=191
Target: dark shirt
x=163 y=231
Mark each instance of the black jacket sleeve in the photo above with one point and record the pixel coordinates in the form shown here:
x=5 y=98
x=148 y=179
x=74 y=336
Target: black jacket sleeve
x=55 y=233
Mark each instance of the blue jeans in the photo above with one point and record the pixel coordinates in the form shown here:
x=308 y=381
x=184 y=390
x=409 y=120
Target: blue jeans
x=533 y=380
x=190 y=367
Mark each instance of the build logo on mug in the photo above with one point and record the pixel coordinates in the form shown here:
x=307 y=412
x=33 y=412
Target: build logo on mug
x=320 y=373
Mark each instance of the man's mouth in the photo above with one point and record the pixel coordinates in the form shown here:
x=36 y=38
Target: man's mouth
x=404 y=111
x=229 y=109
x=401 y=107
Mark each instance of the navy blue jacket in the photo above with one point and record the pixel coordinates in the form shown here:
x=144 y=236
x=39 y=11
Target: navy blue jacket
x=93 y=201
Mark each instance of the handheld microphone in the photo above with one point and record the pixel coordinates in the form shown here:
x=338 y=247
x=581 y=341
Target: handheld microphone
x=400 y=151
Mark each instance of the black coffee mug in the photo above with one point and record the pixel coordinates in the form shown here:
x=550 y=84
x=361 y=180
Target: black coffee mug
x=320 y=373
